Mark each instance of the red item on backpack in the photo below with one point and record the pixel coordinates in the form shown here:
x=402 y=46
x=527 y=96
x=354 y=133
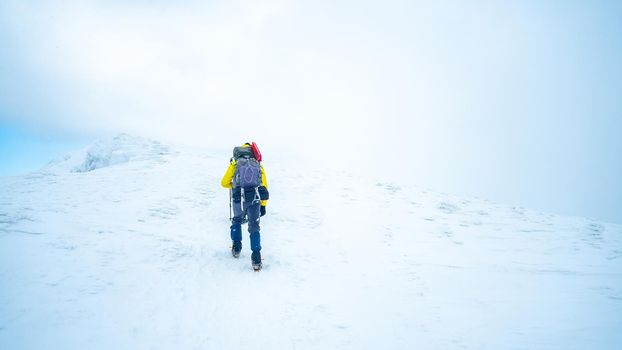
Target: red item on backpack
x=256 y=151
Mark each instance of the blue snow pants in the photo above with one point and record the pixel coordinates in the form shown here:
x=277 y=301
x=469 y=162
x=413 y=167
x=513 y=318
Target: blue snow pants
x=250 y=210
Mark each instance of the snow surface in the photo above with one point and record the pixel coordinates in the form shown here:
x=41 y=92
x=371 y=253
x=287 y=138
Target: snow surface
x=104 y=153
x=125 y=245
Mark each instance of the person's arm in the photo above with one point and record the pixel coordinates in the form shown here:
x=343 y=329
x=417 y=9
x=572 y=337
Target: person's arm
x=264 y=183
x=227 y=179
x=264 y=179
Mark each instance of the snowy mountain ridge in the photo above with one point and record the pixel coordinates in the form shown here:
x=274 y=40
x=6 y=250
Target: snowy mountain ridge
x=125 y=244
x=103 y=153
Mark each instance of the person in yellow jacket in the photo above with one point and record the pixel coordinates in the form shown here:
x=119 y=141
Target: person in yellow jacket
x=246 y=177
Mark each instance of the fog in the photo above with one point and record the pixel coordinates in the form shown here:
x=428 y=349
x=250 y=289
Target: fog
x=515 y=101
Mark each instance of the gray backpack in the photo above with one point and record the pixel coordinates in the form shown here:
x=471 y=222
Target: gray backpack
x=247 y=173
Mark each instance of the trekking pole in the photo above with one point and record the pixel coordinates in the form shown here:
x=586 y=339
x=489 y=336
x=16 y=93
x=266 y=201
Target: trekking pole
x=230 y=194
x=230 y=205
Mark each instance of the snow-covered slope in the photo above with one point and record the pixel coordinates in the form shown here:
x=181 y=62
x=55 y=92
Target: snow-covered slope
x=109 y=152
x=126 y=245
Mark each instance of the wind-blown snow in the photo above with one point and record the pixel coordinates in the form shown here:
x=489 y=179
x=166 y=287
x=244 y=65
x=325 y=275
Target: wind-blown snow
x=104 y=153
x=126 y=245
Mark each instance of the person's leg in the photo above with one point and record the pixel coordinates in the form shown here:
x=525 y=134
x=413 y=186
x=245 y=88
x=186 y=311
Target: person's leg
x=236 y=228
x=253 y=214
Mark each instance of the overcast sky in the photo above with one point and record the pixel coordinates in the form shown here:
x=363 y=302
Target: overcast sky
x=515 y=101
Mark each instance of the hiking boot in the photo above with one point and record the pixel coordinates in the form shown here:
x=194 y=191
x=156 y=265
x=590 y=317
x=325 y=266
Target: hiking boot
x=256 y=260
x=236 y=248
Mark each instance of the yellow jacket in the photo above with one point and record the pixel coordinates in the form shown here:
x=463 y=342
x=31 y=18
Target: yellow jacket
x=227 y=179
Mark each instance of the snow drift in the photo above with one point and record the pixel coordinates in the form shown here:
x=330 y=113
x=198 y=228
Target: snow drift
x=121 y=149
x=136 y=255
